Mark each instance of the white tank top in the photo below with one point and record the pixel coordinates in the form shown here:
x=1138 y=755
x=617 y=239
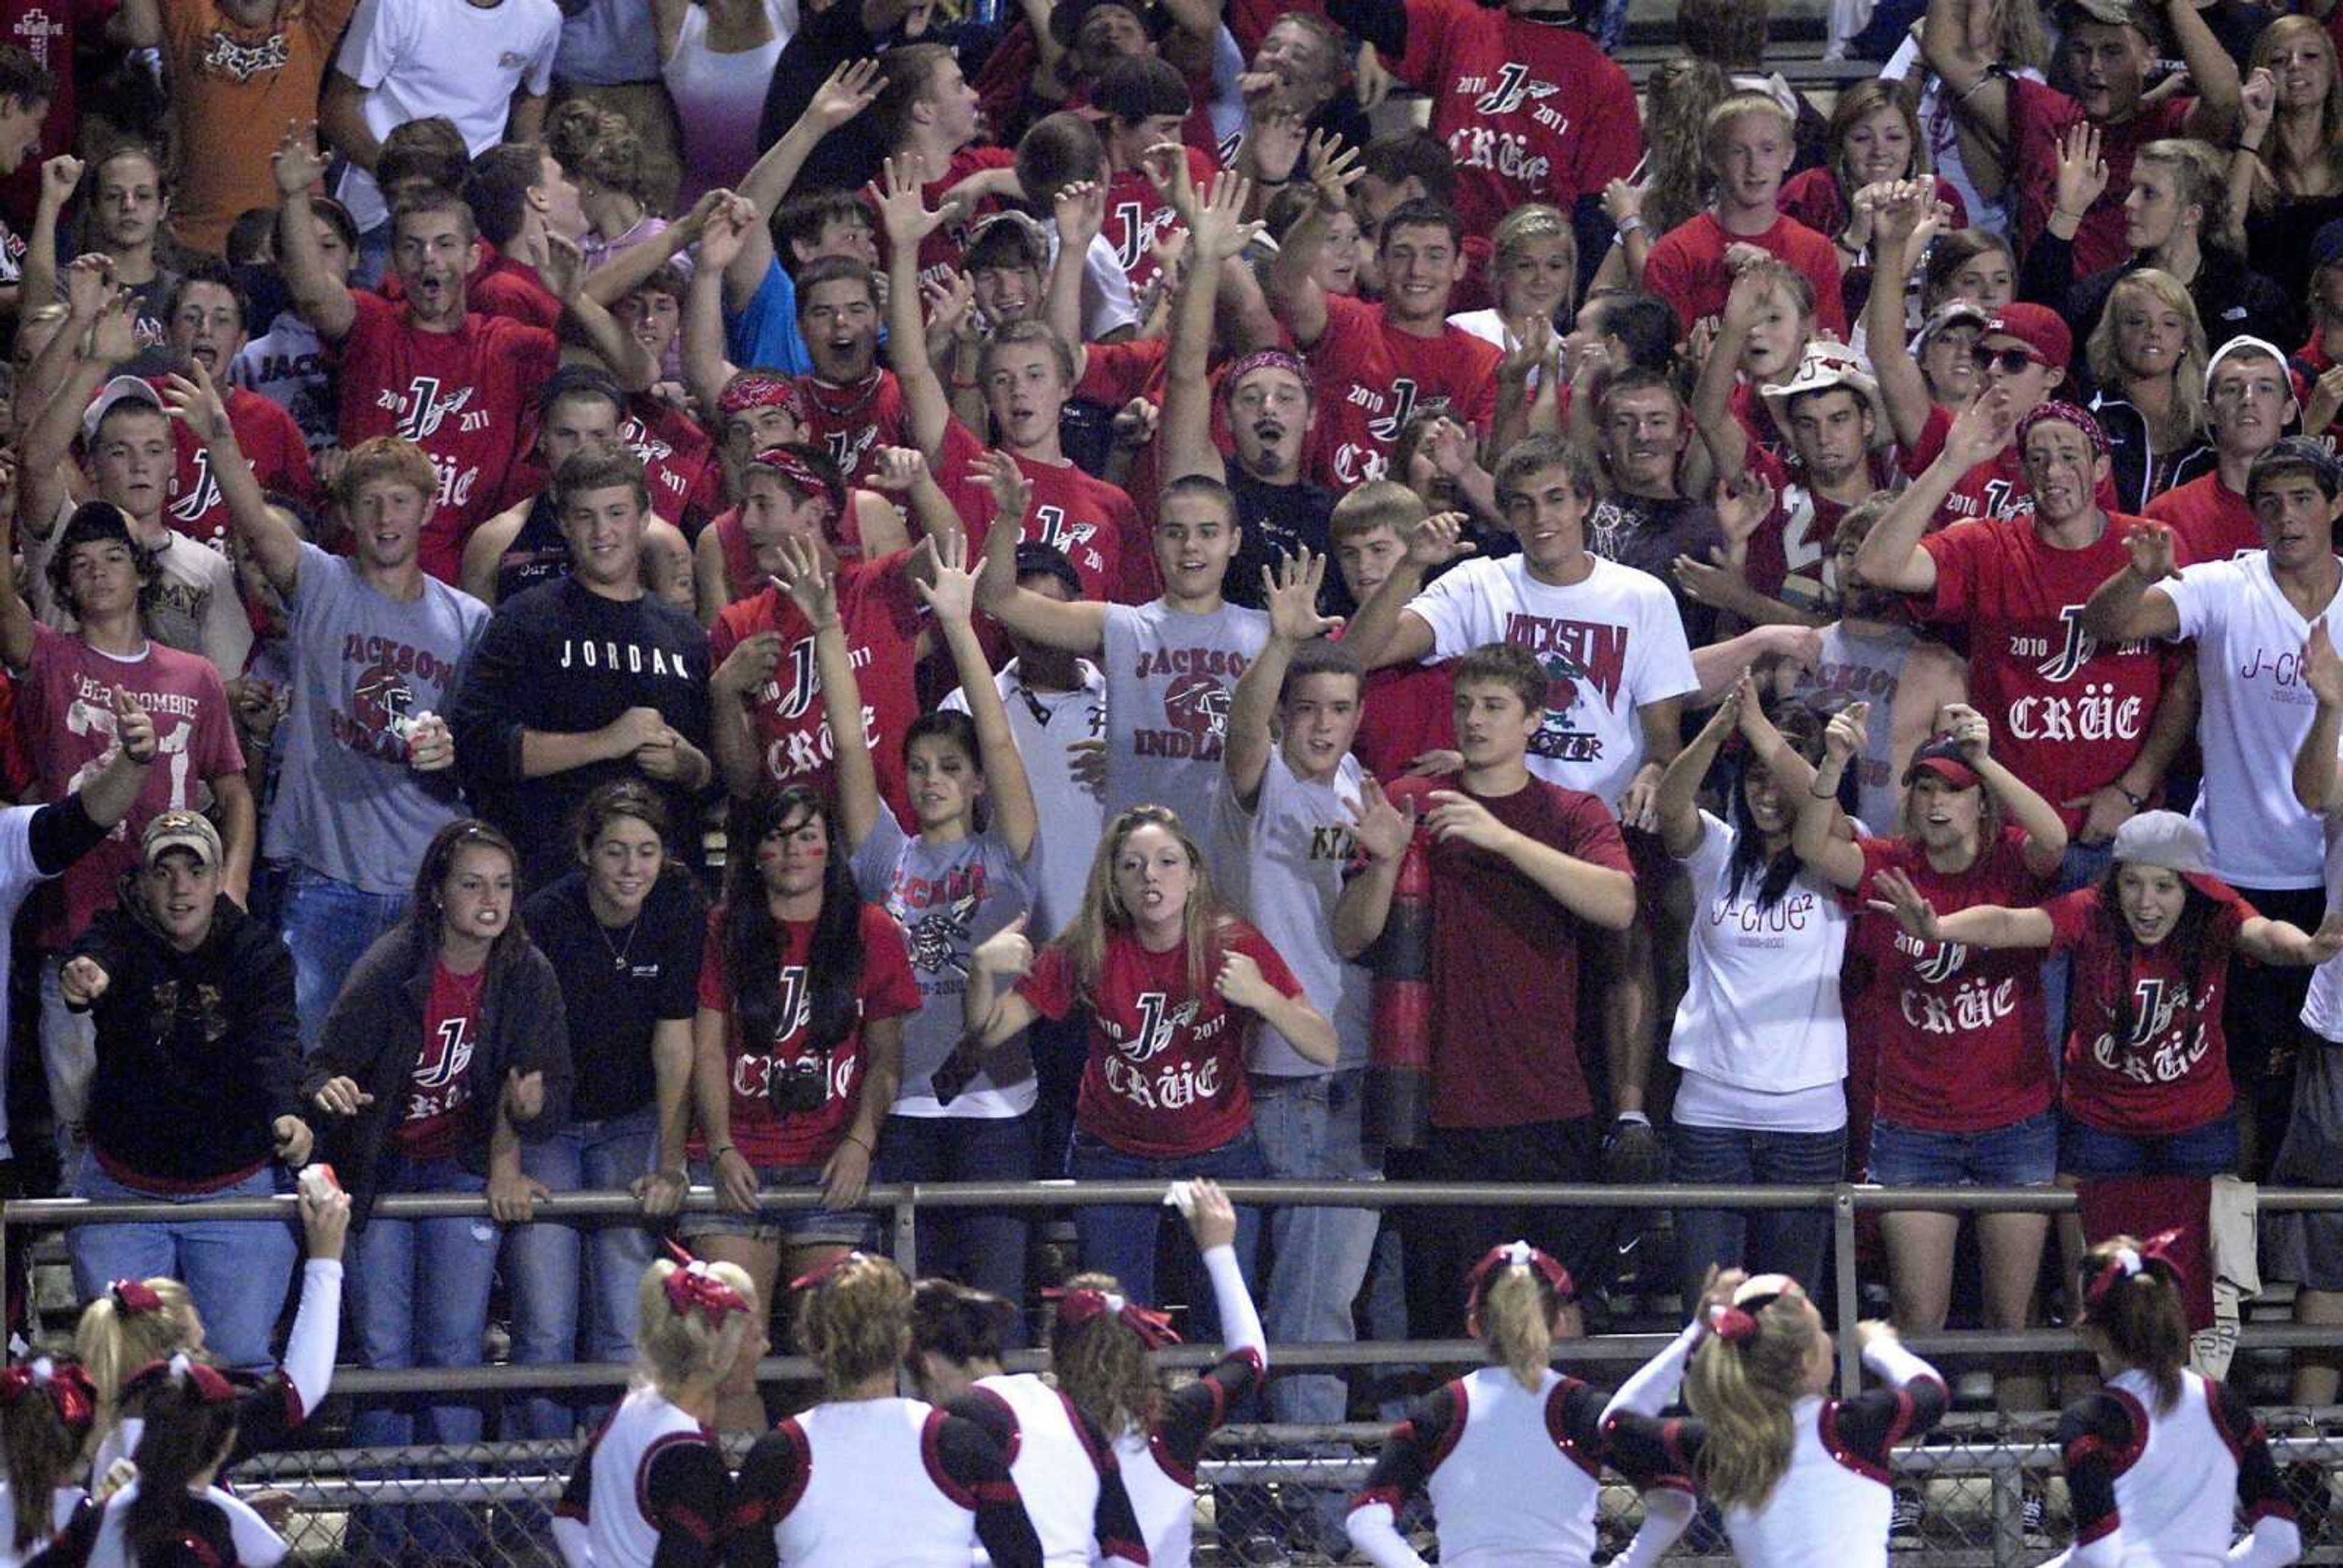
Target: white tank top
x=719 y=98
x=1514 y=1489
x=1052 y=1465
x=643 y=1427
x=1828 y=1506
x=873 y=1495
x=2178 y=1496
x=1164 y=1503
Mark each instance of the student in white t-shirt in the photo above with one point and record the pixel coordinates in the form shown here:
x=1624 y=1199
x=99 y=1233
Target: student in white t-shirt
x=2249 y=617
x=1288 y=802
x=1760 y=1033
x=1617 y=671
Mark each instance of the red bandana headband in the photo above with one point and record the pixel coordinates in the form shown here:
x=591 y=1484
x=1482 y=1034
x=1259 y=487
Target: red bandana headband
x=66 y=1387
x=760 y=390
x=693 y=1287
x=1076 y=1308
x=2155 y=1255
x=2054 y=411
x=809 y=479
x=1267 y=358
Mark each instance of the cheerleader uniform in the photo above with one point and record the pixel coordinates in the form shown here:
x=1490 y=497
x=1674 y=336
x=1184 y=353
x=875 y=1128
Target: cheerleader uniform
x=2158 y=1488
x=218 y=1531
x=62 y=1504
x=1063 y=1467
x=269 y=1412
x=1514 y=1478
x=878 y=1483
x=1158 y=1465
x=1832 y=1503
x=650 y=1488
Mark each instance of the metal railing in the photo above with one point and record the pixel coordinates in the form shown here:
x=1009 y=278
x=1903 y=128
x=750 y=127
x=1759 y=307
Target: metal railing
x=1260 y=1479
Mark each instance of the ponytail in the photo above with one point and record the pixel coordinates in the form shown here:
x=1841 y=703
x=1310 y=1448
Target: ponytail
x=1511 y=1300
x=2130 y=1292
x=685 y=1334
x=190 y=1424
x=1102 y=1362
x=1744 y=1382
x=135 y=1323
x=46 y=1413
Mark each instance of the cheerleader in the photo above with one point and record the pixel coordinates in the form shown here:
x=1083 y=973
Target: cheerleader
x=1099 y=1347
x=651 y=1486
x=865 y=1478
x=47 y=1411
x=1512 y=1455
x=1061 y=1463
x=138 y=1323
x=2159 y=1461
x=1802 y=1477
x=171 y=1513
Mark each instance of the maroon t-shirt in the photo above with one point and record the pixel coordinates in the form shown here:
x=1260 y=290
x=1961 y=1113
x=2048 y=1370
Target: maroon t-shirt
x=273 y=447
x=2039 y=117
x=1166 y=1076
x=853 y=422
x=1504 y=961
x=1405 y=711
x=1091 y=521
x=1373 y=379
x=431 y=1117
x=2170 y=1071
x=2214 y=521
x=1688 y=270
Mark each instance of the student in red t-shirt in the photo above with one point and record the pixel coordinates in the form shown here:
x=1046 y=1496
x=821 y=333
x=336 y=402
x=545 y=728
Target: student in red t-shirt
x=1408 y=724
x=2249 y=402
x=1965 y=1085
x=1749 y=140
x=926 y=115
x=2109 y=48
x=1378 y=365
x=1145 y=101
x=1522 y=873
x=205 y=316
x=2146 y=1090
x=798 y=1052
x=1174 y=985
x=1874 y=137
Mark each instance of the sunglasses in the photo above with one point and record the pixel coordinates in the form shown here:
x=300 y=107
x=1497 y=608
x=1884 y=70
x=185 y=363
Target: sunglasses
x=2012 y=360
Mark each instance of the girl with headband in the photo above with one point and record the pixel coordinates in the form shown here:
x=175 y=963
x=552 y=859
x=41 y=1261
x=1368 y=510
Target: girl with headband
x=866 y=1478
x=2160 y=1460
x=137 y=1323
x=1097 y=1350
x=651 y=1486
x=1800 y=1477
x=1513 y=1454
x=48 y=1412
x=171 y=1514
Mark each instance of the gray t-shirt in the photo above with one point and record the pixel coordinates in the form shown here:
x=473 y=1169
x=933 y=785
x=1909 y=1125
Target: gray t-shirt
x=1281 y=865
x=364 y=667
x=1169 y=678
x=948 y=898
x=1860 y=667
x=1044 y=724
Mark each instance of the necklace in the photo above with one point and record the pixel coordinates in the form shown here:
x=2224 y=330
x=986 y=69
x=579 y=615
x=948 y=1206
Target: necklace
x=619 y=954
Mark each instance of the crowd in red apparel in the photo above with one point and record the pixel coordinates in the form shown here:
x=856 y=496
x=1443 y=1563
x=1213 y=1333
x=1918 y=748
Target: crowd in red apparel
x=743 y=599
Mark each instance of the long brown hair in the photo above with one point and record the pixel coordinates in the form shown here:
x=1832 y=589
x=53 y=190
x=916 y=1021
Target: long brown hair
x=1859 y=102
x=1102 y=911
x=1676 y=169
x=2134 y=1303
x=2287 y=176
x=44 y=1425
x=1102 y=1363
x=431 y=877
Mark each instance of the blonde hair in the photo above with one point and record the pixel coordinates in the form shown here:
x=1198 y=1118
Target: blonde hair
x=2286 y=175
x=2160 y=289
x=676 y=1348
x=1744 y=1393
x=1735 y=106
x=1102 y=909
x=1535 y=220
x=1513 y=1310
x=111 y=1344
x=1377 y=504
x=1102 y=1364
x=856 y=1321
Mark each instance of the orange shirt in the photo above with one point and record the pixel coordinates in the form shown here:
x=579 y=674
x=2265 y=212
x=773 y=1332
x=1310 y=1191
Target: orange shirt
x=234 y=90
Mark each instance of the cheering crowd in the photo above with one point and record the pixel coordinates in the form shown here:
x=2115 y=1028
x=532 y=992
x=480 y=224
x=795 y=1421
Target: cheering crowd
x=726 y=598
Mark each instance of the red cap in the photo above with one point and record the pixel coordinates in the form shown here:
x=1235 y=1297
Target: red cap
x=2039 y=328
x=1944 y=757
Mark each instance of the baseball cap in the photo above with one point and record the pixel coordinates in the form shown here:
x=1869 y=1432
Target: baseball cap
x=1952 y=313
x=2164 y=839
x=180 y=830
x=1017 y=233
x=2327 y=245
x=2039 y=328
x=1944 y=757
x=1826 y=365
x=120 y=389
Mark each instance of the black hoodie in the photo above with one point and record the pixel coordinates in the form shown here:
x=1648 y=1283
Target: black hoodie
x=198 y=1053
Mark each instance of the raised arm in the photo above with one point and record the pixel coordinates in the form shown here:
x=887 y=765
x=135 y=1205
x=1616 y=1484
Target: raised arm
x=1677 y=802
x=60 y=177
x=1078 y=209
x=1289 y=589
x=848 y=90
x=950 y=592
x=1979 y=93
x=321 y=300
x=1383 y=833
x=1077 y=627
x=1891 y=556
x=2317 y=782
x=1385 y=631
x=341 y=114
x=1712 y=395
x=1218 y=235
x=2021 y=805
x=707 y=370
x=811 y=586
x=905 y=215
x=48 y=446
x=2130 y=607
x=1814 y=836
x=270 y=538
x=2269 y=941
x=1979 y=926
x=1895 y=215
x=2212 y=71
x=1293 y=292
x=16 y=633
x=629 y=362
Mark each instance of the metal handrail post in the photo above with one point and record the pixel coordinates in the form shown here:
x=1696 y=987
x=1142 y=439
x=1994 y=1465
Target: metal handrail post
x=2008 y=1503
x=1850 y=1353
x=907 y=1230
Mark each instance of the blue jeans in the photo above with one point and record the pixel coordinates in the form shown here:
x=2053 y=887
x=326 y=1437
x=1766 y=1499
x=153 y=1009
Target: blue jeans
x=545 y=1262
x=1308 y=1128
x=1119 y=1239
x=235 y=1270
x=980 y=1247
x=328 y=925
x=2084 y=865
x=2022 y=1154
x=1768 y=1241
x=2209 y=1150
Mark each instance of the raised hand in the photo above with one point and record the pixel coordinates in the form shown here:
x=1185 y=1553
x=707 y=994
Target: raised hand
x=1622 y=201
x=1165 y=165
x=1970 y=731
x=725 y=232
x=1079 y=209
x=2322 y=667
x=1276 y=138
x=1906 y=904
x=298 y=163
x=2154 y=549
x=134 y=727
x=1289 y=592
x=1212 y=1218
x=1745 y=300
x=1217 y=227
x=1715 y=582
x=896 y=469
x=2256 y=106
x=89 y=284
x=902 y=207
x=2326 y=401
x=1897 y=209
x=853 y=88
x=1980 y=430
x=196 y=403
x=1439 y=539
x=951 y=305
x=1532 y=346
x=114 y=336
x=59 y=177
x=1006 y=954
x=1011 y=491
x=807 y=579
x=1334 y=168
x=1383 y=830
x=2082 y=176
x=951 y=591
x=1847 y=733
x=1742 y=503
x=562 y=267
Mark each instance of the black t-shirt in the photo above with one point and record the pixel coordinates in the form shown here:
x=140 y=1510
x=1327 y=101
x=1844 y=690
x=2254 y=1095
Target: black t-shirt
x=1649 y=536
x=1278 y=520
x=618 y=983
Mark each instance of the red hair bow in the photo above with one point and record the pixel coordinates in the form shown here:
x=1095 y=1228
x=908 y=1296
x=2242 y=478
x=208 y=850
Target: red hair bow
x=693 y=1288
x=813 y=1278
x=1731 y=1324
x=210 y=1383
x=1076 y=1308
x=66 y=1387
x=136 y=1296
x=1519 y=1255
x=2157 y=1254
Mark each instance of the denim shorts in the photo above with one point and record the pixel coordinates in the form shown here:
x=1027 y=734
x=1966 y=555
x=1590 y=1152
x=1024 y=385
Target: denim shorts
x=2211 y=1150
x=2022 y=1154
x=780 y=1227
